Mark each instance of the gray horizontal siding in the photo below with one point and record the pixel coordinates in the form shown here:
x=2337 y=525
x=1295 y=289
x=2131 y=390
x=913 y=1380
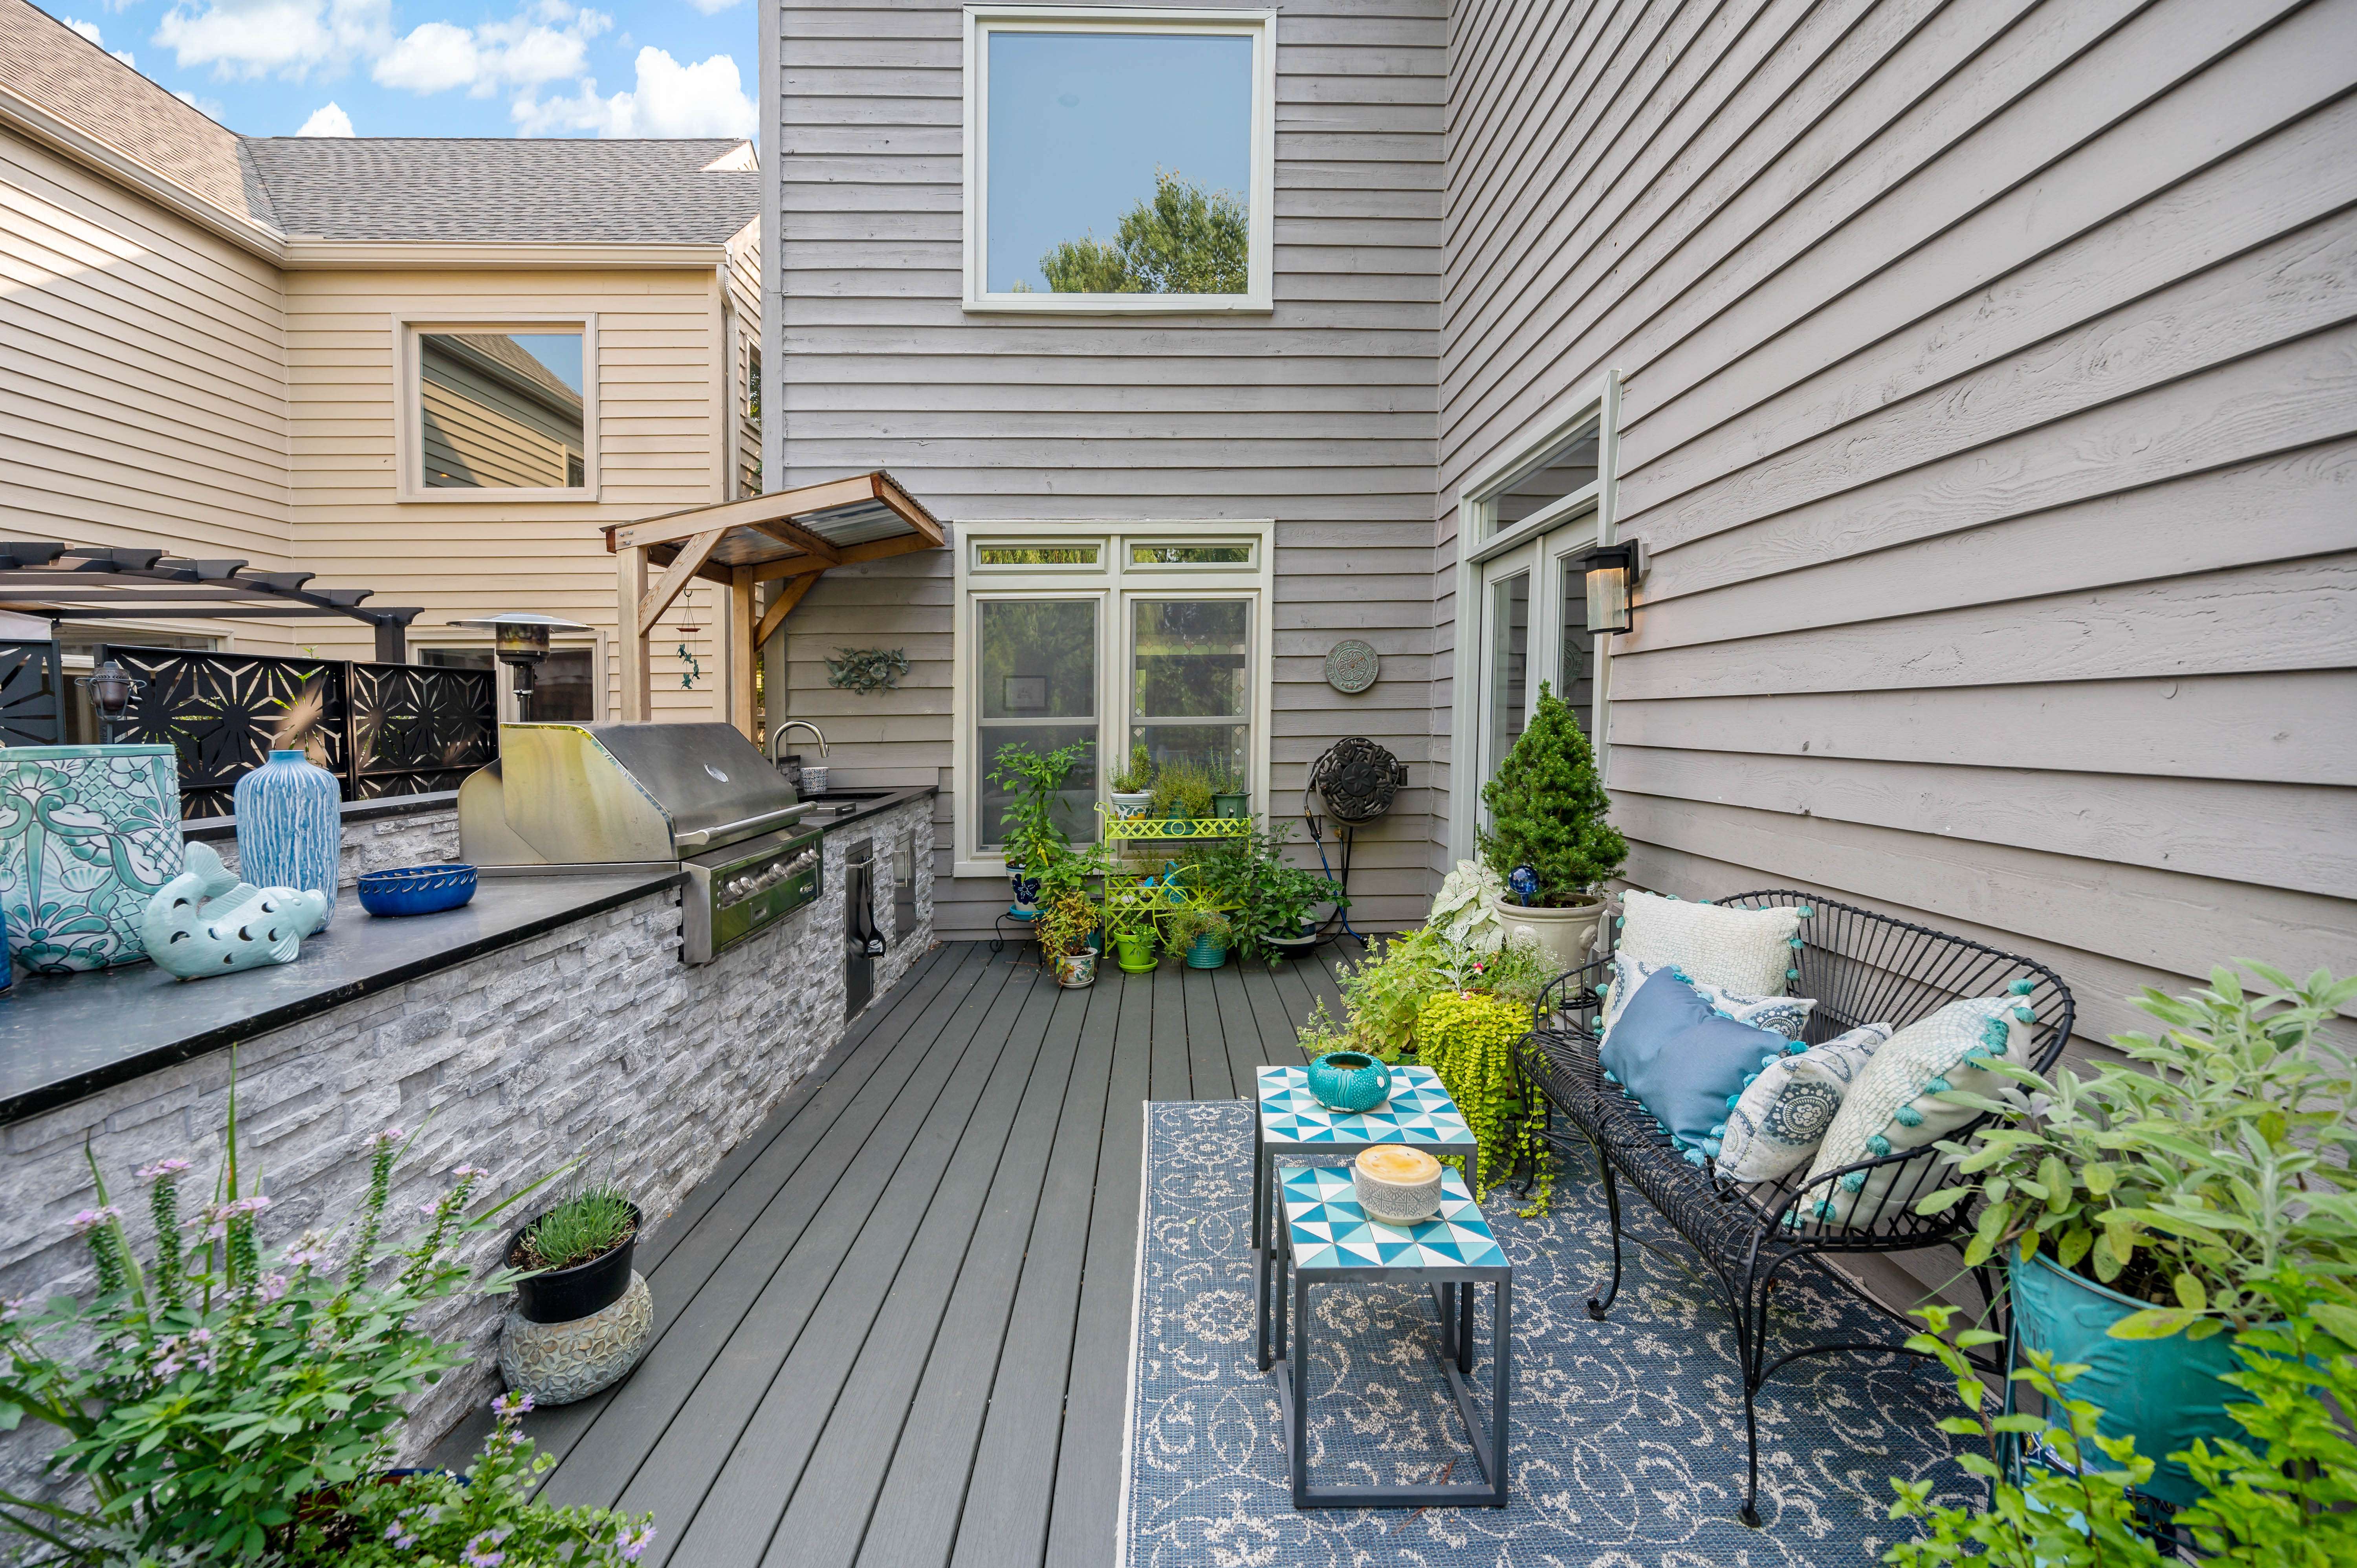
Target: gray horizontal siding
x=1991 y=411
x=1322 y=415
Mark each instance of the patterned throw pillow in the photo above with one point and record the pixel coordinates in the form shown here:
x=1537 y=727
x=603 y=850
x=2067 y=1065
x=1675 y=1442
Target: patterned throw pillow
x=1777 y=1123
x=1785 y=1016
x=1897 y=1103
x=1750 y=951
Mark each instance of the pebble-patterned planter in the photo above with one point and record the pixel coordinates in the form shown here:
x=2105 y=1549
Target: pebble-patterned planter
x=557 y=1363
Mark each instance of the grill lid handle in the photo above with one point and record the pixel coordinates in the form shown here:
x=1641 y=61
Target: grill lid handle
x=698 y=838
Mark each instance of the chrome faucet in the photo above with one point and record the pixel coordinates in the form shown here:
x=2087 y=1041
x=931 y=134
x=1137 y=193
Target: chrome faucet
x=791 y=724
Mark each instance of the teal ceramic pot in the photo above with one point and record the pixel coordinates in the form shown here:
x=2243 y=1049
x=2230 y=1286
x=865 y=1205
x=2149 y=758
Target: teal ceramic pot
x=290 y=826
x=1206 y=952
x=87 y=833
x=2162 y=1392
x=1350 y=1081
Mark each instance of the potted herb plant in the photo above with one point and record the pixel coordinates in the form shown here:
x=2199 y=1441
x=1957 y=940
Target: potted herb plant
x=1229 y=795
x=1067 y=923
x=1199 y=936
x=1546 y=837
x=1270 y=896
x=1028 y=825
x=582 y=1317
x=2145 y=1209
x=1131 y=788
x=1183 y=792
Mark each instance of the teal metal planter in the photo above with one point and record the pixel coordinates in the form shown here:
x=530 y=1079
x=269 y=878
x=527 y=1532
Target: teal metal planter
x=1349 y=1081
x=1206 y=952
x=2162 y=1392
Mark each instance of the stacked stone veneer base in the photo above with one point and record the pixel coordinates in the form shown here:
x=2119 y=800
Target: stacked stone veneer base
x=382 y=843
x=592 y=1039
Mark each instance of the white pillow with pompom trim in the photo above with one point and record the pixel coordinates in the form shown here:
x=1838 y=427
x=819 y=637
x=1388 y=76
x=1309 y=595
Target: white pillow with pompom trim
x=1752 y=950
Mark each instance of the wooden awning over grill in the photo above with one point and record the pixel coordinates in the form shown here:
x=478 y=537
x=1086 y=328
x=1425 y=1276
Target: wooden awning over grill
x=788 y=536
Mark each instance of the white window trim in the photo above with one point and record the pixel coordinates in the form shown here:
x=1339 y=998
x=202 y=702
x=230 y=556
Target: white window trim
x=1478 y=542
x=408 y=438
x=1116 y=588
x=1259 y=24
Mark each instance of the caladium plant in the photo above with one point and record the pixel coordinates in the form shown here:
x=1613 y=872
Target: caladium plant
x=2223 y=1154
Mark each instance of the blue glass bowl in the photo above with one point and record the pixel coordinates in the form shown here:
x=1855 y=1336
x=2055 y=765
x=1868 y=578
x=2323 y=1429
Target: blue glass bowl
x=416 y=890
x=1349 y=1081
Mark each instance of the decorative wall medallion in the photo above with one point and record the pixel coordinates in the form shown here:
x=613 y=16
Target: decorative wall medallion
x=1351 y=666
x=87 y=833
x=557 y=1363
x=867 y=669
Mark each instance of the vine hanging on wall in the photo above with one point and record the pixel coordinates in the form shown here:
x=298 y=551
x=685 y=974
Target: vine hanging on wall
x=867 y=669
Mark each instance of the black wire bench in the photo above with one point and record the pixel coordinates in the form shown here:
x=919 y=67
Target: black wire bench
x=1862 y=968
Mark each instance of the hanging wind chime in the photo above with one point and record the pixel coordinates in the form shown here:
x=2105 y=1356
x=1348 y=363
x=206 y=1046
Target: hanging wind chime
x=689 y=628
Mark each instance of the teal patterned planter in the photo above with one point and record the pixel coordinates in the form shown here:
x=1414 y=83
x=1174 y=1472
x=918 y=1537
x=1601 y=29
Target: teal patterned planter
x=87 y=833
x=290 y=827
x=1349 y=1081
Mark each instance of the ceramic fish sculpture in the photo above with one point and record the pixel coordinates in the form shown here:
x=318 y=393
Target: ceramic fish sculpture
x=242 y=927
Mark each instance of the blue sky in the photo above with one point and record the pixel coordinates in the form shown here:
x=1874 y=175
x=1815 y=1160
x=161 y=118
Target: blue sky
x=442 y=68
x=1079 y=123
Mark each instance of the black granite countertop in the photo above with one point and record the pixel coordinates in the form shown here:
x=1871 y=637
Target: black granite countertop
x=63 y=1036
x=826 y=812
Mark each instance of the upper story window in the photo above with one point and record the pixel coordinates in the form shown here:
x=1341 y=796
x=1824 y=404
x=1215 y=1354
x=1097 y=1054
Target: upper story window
x=1117 y=160
x=501 y=407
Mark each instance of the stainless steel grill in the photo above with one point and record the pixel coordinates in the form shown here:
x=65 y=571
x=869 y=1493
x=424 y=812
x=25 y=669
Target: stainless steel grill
x=695 y=796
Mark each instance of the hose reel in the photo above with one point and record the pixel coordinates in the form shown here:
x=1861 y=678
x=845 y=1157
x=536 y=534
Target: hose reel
x=1356 y=782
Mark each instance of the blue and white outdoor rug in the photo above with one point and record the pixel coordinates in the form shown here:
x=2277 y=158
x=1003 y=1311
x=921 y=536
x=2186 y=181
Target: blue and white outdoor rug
x=1627 y=1445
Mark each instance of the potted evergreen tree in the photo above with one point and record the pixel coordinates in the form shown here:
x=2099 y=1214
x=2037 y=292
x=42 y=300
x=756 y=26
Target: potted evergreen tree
x=1547 y=839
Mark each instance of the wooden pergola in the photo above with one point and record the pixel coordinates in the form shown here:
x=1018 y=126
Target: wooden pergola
x=788 y=537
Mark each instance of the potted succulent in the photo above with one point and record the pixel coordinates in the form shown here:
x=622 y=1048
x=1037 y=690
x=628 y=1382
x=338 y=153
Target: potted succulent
x=1199 y=936
x=1131 y=788
x=2147 y=1210
x=1546 y=837
x=582 y=1317
x=1027 y=824
x=1066 y=925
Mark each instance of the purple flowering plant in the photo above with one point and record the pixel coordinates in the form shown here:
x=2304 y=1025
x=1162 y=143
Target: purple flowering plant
x=487 y=1520
x=207 y=1396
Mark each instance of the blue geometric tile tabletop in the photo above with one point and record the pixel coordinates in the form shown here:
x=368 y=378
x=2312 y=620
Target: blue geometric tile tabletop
x=1418 y=1112
x=1627 y=1436
x=1332 y=1232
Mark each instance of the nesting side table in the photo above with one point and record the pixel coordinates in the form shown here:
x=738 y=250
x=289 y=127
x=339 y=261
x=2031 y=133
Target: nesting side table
x=1287 y=1120
x=1323 y=1235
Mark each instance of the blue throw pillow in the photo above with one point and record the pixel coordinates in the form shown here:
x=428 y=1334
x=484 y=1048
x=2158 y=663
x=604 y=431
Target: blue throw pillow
x=1684 y=1061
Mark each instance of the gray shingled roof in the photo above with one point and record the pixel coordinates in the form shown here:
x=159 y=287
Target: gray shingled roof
x=488 y=189
x=383 y=188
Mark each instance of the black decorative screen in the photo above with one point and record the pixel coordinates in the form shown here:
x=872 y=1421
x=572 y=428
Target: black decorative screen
x=32 y=709
x=382 y=729
x=416 y=729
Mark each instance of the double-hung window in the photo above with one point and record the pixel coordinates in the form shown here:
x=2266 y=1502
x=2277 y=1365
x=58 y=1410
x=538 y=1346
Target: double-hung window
x=1118 y=160
x=1115 y=635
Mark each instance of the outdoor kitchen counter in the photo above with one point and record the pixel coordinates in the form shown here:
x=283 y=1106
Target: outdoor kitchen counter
x=65 y=1037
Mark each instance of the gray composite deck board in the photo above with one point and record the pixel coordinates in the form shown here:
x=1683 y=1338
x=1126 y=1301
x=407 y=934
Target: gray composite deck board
x=893 y=1327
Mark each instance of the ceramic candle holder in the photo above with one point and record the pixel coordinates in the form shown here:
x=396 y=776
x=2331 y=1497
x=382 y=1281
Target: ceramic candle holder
x=1397 y=1184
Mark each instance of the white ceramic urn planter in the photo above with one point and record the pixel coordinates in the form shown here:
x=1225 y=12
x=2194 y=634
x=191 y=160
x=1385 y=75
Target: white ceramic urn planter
x=1566 y=935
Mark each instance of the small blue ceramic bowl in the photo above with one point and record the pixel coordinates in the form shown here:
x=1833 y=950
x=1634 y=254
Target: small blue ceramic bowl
x=416 y=890
x=1349 y=1081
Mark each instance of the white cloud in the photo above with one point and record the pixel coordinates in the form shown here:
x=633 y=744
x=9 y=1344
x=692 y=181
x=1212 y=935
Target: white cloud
x=711 y=7
x=669 y=99
x=328 y=120
x=434 y=57
x=90 y=30
x=524 y=52
x=282 y=38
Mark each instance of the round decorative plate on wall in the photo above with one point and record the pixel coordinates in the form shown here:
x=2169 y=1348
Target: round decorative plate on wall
x=1352 y=665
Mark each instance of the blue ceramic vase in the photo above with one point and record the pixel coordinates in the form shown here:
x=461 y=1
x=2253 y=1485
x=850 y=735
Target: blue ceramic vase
x=1350 y=1081
x=290 y=826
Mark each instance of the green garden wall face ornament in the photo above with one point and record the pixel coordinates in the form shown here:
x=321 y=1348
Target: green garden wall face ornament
x=205 y=921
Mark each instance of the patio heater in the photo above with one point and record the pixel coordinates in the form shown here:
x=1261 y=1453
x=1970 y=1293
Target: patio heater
x=110 y=688
x=519 y=638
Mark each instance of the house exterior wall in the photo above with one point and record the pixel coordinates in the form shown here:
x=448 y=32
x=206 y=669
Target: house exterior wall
x=1990 y=410
x=1318 y=415
x=142 y=374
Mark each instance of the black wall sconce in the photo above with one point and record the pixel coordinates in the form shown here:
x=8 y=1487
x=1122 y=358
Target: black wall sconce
x=1612 y=571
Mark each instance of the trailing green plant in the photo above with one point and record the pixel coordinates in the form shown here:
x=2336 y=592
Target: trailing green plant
x=1181 y=790
x=2286 y=1498
x=2221 y=1157
x=1469 y=1042
x=1065 y=923
x=202 y=1394
x=1385 y=991
x=1028 y=825
x=435 y=1520
x=2076 y=1516
x=1547 y=809
x=589 y=1224
x=1181 y=926
x=1137 y=777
